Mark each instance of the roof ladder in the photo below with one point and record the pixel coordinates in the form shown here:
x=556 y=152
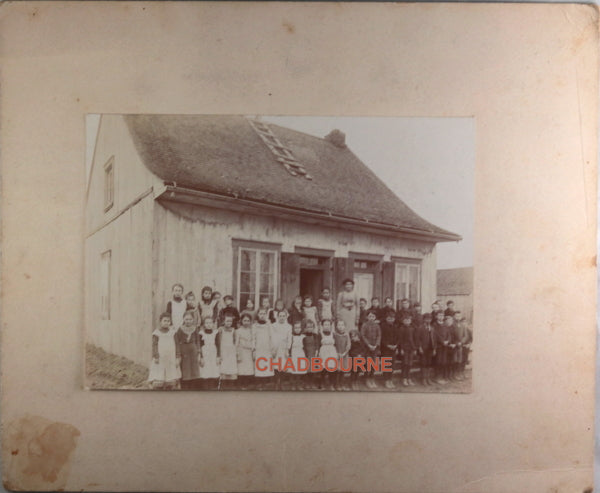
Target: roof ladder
x=283 y=155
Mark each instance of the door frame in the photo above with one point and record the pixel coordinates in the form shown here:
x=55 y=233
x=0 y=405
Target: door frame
x=326 y=267
x=375 y=267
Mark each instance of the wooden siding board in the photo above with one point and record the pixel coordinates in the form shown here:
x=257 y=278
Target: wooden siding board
x=131 y=176
x=388 y=277
x=129 y=238
x=290 y=277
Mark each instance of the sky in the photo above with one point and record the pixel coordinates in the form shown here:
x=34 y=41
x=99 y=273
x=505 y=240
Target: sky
x=428 y=162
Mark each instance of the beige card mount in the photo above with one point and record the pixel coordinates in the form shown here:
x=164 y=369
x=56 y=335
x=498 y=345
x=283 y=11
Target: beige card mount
x=525 y=74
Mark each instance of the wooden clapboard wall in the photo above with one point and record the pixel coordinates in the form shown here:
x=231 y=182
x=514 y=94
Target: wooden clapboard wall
x=290 y=277
x=388 y=272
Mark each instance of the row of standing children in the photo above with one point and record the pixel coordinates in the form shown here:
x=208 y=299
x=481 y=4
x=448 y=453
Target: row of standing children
x=437 y=343
x=213 y=345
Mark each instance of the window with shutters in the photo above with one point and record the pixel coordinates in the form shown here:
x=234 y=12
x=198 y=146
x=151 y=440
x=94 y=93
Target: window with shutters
x=257 y=273
x=408 y=280
x=105 y=285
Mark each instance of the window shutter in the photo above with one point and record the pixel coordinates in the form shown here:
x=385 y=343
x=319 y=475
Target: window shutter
x=388 y=279
x=342 y=268
x=290 y=277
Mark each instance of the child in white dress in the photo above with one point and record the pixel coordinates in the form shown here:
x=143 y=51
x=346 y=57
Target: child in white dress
x=297 y=355
x=342 y=347
x=209 y=363
x=327 y=351
x=279 y=307
x=206 y=304
x=227 y=351
x=281 y=333
x=164 y=371
x=245 y=349
x=177 y=306
x=249 y=308
x=309 y=311
x=192 y=306
x=325 y=306
x=263 y=349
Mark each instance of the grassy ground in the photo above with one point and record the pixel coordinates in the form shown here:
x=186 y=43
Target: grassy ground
x=107 y=371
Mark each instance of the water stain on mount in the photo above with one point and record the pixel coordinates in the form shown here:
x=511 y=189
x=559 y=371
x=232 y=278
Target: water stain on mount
x=36 y=453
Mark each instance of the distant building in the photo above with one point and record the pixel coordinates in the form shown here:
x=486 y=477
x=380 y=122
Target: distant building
x=248 y=208
x=456 y=285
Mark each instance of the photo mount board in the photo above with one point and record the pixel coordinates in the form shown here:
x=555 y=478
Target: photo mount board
x=526 y=73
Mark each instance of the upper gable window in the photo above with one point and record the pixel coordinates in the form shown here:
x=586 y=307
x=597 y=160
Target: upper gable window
x=109 y=184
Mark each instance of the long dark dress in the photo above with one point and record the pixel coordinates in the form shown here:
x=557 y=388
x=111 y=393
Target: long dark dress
x=189 y=348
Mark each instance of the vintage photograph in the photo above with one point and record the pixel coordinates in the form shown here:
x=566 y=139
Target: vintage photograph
x=255 y=252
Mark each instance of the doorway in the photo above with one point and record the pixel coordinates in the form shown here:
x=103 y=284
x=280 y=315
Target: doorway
x=311 y=283
x=363 y=285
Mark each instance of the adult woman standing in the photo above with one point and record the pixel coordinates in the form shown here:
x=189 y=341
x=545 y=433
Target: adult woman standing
x=347 y=305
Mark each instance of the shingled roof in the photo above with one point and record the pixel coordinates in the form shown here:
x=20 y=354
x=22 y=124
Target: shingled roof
x=224 y=155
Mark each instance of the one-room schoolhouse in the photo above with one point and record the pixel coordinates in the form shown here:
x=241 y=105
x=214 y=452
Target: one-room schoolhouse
x=249 y=208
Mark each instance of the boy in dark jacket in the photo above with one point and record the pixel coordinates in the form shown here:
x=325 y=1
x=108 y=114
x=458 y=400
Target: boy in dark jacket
x=362 y=313
x=459 y=339
x=404 y=310
x=425 y=342
x=417 y=316
x=357 y=349
x=370 y=333
x=466 y=345
x=407 y=347
x=449 y=308
x=228 y=310
x=390 y=338
x=375 y=308
x=442 y=340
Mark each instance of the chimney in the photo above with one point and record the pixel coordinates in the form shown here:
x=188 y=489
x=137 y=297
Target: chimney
x=337 y=138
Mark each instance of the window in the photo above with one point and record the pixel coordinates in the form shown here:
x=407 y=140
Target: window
x=307 y=261
x=257 y=275
x=408 y=281
x=105 y=285
x=109 y=184
x=364 y=265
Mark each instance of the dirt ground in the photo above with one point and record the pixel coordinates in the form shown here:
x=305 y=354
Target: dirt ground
x=107 y=371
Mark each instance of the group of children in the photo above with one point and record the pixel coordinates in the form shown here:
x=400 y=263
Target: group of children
x=211 y=345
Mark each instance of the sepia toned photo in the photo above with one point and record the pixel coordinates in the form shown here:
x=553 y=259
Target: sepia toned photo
x=170 y=167
x=228 y=252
